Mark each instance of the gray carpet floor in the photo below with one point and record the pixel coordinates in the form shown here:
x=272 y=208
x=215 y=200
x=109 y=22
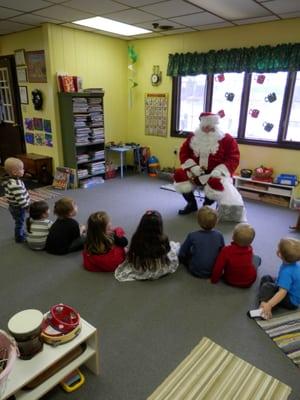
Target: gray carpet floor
x=146 y=328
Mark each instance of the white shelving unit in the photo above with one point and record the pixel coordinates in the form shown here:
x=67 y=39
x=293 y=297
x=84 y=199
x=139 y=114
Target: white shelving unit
x=24 y=371
x=268 y=192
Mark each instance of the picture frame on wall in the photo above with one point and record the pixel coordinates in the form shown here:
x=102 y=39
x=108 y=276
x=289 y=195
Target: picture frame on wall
x=22 y=74
x=23 y=94
x=36 y=66
x=20 y=58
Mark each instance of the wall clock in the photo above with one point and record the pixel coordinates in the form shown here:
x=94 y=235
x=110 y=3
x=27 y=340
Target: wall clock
x=156 y=76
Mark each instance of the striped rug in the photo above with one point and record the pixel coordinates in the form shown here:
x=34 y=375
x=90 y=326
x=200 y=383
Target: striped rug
x=210 y=372
x=285 y=332
x=43 y=193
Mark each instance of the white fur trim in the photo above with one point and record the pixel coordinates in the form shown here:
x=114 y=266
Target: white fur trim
x=203 y=144
x=212 y=194
x=211 y=120
x=188 y=164
x=222 y=169
x=184 y=187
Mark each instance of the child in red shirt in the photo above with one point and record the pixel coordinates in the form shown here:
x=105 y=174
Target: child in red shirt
x=105 y=246
x=236 y=263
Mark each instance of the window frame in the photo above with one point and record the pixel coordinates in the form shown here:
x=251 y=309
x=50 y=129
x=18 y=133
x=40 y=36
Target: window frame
x=284 y=118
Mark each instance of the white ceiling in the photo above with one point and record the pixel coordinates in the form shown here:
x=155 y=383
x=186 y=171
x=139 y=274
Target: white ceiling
x=182 y=15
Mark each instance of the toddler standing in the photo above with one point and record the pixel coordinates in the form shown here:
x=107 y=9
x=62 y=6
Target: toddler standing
x=65 y=235
x=150 y=254
x=201 y=248
x=236 y=262
x=285 y=290
x=38 y=225
x=17 y=196
x=105 y=246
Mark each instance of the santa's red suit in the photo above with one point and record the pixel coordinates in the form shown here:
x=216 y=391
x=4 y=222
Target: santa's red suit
x=208 y=157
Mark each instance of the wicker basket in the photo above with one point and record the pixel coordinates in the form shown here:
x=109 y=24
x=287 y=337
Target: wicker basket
x=9 y=350
x=263 y=173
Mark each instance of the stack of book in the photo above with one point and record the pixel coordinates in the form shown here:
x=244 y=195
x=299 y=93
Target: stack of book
x=97 y=154
x=96 y=168
x=82 y=173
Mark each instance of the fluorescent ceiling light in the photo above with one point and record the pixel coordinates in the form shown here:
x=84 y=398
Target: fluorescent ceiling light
x=108 y=25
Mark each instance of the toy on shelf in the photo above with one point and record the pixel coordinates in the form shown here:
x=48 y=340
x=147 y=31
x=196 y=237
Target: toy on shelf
x=73 y=381
x=286 y=179
x=153 y=166
x=263 y=174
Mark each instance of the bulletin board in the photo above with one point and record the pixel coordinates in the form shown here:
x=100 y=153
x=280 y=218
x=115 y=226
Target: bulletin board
x=156 y=114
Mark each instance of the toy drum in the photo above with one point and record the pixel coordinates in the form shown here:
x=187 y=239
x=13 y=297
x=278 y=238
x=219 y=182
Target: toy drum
x=25 y=326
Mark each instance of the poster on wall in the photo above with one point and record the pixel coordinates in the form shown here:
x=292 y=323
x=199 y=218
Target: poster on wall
x=156 y=114
x=36 y=66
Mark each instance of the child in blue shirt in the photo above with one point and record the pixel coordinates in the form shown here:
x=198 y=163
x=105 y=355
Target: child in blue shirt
x=285 y=290
x=201 y=248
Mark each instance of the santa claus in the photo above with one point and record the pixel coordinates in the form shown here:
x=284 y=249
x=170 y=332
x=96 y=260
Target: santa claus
x=208 y=158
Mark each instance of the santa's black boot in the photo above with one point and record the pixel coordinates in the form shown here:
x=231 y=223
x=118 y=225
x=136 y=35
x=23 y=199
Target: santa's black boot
x=208 y=202
x=191 y=204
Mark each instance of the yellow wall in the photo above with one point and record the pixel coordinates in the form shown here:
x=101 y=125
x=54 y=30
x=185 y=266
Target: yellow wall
x=34 y=39
x=101 y=61
x=155 y=52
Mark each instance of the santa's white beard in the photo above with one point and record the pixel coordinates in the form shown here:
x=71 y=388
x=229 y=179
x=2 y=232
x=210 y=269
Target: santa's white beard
x=203 y=144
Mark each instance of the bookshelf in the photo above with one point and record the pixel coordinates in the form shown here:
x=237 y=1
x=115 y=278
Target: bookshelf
x=83 y=139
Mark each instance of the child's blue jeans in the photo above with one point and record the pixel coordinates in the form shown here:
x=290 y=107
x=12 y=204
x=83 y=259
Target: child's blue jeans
x=18 y=215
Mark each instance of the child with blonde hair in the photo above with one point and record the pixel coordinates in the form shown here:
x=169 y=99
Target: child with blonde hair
x=65 y=235
x=38 y=225
x=16 y=194
x=285 y=290
x=150 y=254
x=201 y=248
x=236 y=263
x=105 y=246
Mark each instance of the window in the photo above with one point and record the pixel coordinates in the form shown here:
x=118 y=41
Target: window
x=256 y=108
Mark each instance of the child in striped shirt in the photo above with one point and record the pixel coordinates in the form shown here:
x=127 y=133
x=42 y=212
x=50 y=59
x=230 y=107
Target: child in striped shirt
x=38 y=225
x=16 y=194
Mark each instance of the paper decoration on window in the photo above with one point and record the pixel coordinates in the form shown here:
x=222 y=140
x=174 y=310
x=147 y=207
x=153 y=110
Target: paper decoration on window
x=29 y=124
x=156 y=114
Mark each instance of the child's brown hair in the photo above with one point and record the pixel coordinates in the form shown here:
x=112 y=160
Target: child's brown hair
x=98 y=241
x=207 y=218
x=289 y=249
x=64 y=207
x=243 y=234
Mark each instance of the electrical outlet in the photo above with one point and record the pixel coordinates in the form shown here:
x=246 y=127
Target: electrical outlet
x=175 y=151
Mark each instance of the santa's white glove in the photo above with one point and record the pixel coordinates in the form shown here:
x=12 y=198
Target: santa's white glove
x=196 y=170
x=216 y=173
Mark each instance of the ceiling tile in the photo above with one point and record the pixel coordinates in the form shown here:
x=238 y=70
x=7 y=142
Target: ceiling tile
x=283 y=6
x=96 y=6
x=290 y=15
x=7 y=13
x=32 y=19
x=197 y=19
x=224 y=24
x=10 y=27
x=80 y=27
x=163 y=22
x=137 y=3
x=255 y=20
x=25 y=5
x=178 y=31
x=232 y=9
x=130 y=16
x=63 y=13
x=172 y=8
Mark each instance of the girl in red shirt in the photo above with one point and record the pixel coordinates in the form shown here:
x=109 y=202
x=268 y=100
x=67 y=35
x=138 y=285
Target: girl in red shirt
x=105 y=246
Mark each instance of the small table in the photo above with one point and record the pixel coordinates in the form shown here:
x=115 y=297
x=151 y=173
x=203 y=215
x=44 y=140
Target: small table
x=121 y=151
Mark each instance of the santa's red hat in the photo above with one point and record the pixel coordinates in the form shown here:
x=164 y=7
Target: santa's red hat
x=209 y=118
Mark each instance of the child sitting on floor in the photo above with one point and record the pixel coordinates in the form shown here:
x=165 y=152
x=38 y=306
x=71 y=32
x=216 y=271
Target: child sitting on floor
x=285 y=290
x=150 y=254
x=38 y=225
x=201 y=248
x=65 y=235
x=105 y=246
x=236 y=263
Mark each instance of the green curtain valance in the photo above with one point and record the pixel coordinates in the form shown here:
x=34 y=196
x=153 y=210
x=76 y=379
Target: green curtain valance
x=283 y=57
